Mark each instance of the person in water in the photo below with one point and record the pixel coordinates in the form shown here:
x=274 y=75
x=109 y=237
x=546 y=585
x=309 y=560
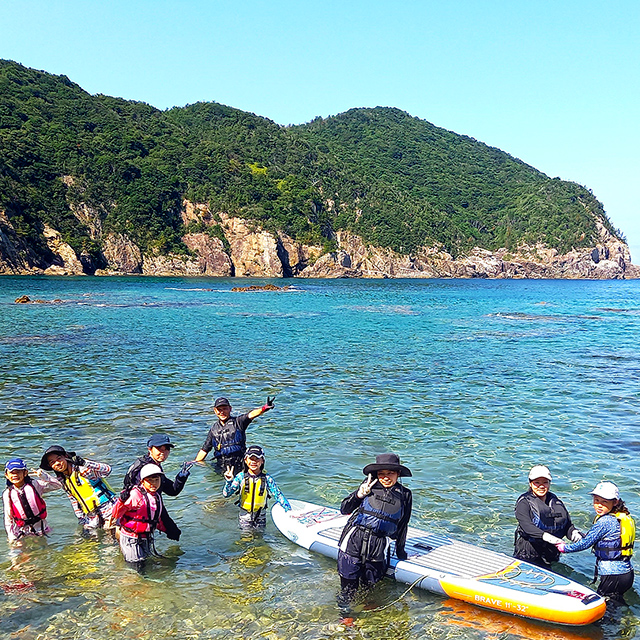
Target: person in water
x=254 y=487
x=380 y=510
x=543 y=521
x=612 y=537
x=227 y=437
x=25 y=511
x=91 y=497
x=140 y=515
x=159 y=447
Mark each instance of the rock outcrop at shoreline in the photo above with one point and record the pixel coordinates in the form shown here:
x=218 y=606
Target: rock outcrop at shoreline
x=231 y=246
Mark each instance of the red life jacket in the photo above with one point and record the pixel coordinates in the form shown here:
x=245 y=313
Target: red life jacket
x=27 y=506
x=144 y=519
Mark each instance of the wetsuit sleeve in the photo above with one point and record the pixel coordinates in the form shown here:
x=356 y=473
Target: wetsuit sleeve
x=173 y=488
x=208 y=441
x=350 y=503
x=274 y=491
x=523 y=516
x=243 y=421
x=94 y=470
x=570 y=529
x=233 y=486
x=403 y=526
x=598 y=531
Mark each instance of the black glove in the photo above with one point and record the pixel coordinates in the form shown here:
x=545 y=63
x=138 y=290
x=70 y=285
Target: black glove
x=185 y=470
x=78 y=461
x=124 y=494
x=268 y=404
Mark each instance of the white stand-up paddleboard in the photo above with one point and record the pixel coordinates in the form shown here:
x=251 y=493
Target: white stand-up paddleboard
x=439 y=564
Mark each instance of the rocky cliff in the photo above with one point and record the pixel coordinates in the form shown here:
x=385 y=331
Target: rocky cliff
x=231 y=246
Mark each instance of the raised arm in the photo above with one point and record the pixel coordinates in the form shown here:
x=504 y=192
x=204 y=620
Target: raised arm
x=267 y=406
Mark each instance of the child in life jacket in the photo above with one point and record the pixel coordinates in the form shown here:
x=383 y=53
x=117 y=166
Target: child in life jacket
x=612 y=537
x=91 y=497
x=139 y=515
x=25 y=512
x=254 y=487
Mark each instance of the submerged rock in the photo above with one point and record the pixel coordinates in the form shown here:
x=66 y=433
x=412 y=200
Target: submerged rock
x=28 y=300
x=256 y=287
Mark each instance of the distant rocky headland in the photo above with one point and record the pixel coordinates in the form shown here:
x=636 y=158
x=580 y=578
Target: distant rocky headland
x=94 y=185
x=254 y=252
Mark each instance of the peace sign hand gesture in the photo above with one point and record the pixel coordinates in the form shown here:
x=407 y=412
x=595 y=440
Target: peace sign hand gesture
x=228 y=474
x=365 y=487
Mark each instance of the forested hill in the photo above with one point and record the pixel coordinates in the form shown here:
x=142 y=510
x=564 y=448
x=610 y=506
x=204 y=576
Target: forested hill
x=395 y=180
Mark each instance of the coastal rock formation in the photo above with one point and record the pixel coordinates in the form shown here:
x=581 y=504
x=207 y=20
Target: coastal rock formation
x=65 y=260
x=228 y=246
x=121 y=255
x=254 y=252
x=296 y=257
x=610 y=259
x=212 y=259
x=171 y=265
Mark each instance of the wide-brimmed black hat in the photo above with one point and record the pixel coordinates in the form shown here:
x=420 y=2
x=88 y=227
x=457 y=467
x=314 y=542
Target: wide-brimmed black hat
x=388 y=461
x=44 y=464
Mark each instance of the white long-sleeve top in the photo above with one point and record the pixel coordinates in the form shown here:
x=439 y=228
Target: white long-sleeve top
x=42 y=483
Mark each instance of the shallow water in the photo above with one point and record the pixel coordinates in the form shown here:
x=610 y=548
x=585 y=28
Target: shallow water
x=470 y=382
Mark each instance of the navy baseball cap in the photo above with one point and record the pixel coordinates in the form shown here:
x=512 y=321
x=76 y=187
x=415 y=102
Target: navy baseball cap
x=221 y=402
x=254 y=450
x=159 y=440
x=14 y=464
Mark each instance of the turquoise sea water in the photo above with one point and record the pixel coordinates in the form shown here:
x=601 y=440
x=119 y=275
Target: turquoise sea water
x=470 y=382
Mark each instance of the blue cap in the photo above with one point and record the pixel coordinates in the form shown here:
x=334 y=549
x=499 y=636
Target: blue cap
x=159 y=440
x=14 y=464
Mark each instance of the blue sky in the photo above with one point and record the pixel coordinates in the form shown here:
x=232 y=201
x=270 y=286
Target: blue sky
x=556 y=84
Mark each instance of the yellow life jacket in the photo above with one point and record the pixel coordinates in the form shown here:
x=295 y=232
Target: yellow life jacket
x=253 y=496
x=620 y=547
x=627 y=533
x=89 y=494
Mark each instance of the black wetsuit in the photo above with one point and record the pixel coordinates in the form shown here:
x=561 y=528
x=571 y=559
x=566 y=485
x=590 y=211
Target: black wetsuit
x=171 y=488
x=363 y=555
x=535 y=517
x=228 y=442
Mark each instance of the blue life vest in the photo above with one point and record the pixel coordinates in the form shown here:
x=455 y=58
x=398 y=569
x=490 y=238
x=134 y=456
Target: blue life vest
x=381 y=512
x=229 y=440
